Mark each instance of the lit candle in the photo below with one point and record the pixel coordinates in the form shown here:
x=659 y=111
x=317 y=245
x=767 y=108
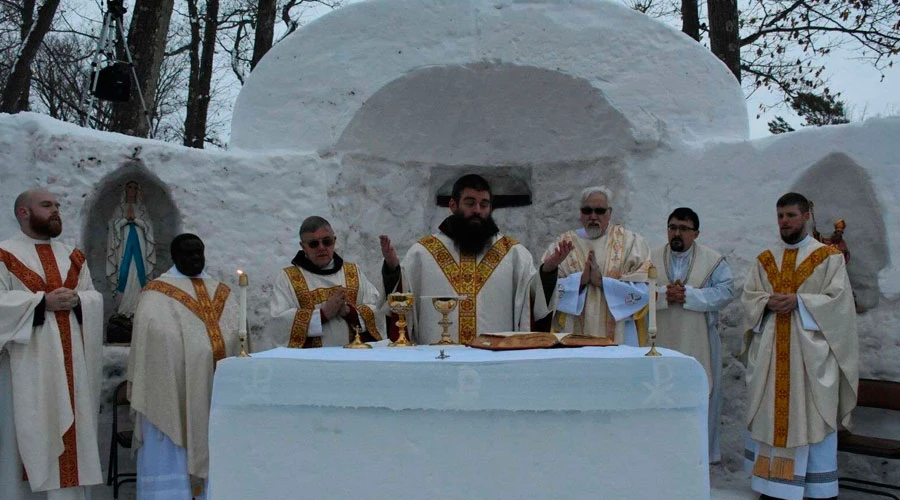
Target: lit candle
x=243 y=281
x=651 y=289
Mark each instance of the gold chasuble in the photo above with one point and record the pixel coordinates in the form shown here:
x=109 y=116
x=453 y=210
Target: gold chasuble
x=623 y=255
x=180 y=334
x=498 y=289
x=802 y=372
x=53 y=367
x=299 y=294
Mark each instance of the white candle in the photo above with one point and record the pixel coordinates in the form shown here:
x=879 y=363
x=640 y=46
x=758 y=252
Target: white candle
x=243 y=281
x=651 y=329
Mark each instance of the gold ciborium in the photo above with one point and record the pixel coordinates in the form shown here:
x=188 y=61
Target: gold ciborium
x=357 y=342
x=400 y=303
x=444 y=305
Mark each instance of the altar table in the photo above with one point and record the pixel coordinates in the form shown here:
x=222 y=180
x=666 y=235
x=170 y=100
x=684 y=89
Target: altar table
x=577 y=423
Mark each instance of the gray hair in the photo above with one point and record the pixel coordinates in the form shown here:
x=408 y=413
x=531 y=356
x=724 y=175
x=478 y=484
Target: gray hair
x=590 y=191
x=313 y=224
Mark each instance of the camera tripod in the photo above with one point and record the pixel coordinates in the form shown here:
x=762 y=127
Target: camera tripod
x=111 y=35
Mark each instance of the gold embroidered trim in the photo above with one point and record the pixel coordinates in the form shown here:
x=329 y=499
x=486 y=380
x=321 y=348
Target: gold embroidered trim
x=308 y=300
x=787 y=280
x=368 y=317
x=467 y=278
x=208 y=310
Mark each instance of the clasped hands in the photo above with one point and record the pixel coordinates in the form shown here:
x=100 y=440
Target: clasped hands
x=61 y=299
x=591 y=274
x=782 y=302
x=675 y=292
x=336 y=305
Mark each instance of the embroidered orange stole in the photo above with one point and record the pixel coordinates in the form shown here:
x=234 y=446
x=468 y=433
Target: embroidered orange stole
x=467 y=278
x=787 y=280
x=208 y=310
x=68 y=460
x=309 y=299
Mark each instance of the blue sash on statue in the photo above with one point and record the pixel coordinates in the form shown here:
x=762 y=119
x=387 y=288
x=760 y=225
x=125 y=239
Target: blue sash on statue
x=132 y=253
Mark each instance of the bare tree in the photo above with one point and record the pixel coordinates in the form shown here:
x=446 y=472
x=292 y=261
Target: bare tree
x=201 y=55
x=724 y=37
x=265 y=30
x=17 y=83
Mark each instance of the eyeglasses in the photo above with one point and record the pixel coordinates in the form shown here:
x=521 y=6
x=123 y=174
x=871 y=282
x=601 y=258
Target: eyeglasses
x=680 y=227
x=328 y=241
x=596 y=210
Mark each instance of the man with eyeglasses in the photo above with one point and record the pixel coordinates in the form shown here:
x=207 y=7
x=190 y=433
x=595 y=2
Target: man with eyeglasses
x=320 y=299
x=695 y=284
x=802 y=358
x=492 y=274
x=602 y=272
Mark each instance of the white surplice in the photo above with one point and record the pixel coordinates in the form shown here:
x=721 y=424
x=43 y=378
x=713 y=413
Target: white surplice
x=170 y=374
x=624 y=259
x=499 y=289
x=36 y=409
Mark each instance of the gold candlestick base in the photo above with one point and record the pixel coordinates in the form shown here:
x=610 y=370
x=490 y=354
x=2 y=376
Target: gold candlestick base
x=243 y=353
x=653 y=351
x=357 y=342
x=400 y=303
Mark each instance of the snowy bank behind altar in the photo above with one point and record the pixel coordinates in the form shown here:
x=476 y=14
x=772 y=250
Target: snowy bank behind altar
x=367 y=115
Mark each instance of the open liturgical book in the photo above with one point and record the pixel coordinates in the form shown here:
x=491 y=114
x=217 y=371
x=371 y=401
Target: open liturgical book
x=507 y=341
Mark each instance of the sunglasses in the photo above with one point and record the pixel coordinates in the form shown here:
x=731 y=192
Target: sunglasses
x=327 y=241
x=598 y=210
x=680 y=227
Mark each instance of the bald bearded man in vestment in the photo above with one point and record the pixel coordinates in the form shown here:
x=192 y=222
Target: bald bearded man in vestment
x=802 y=360
x=493 y=275
x=319 y=300
x=185 y=323
x=603 y=280
x=696 y=284
x=50 y=360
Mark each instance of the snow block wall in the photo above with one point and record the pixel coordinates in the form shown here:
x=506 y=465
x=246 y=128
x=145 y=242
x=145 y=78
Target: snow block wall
x=368 y=114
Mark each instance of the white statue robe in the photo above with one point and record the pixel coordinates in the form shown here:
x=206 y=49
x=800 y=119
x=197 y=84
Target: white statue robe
x=802 y=366
x=182 y=327
x=624 y=258
x=49 y=374
x=297 y=297
x=693 y=327
x=117 y=239
x=499 y=289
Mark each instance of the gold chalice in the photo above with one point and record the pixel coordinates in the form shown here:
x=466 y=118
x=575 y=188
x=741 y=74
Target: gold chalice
x=357 y=342
x=400 y=303
x=444 y=305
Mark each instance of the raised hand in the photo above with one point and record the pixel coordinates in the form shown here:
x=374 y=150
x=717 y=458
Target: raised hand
x=558 y=255
x=388 y=253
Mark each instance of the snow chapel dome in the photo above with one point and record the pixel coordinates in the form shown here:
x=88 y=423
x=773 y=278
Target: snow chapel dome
x=487 y=82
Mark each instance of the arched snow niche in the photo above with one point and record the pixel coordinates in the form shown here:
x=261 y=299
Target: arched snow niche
x=99 y=207
x=841 y=189
x=487 y=114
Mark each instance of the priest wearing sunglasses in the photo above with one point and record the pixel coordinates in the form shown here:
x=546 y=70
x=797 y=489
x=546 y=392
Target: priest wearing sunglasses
x=602 y=275
x=319 y=299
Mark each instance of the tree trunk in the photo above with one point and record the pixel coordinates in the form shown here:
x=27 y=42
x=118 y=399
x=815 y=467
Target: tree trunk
x=265 y=30
x=27 y=21
x=690 y=19
x=201 y=75
x=147 y=41
x=724 y=38
x=20 y=77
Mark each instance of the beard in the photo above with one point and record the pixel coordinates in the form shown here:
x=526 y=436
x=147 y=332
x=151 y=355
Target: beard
x=676 y=244
x=793 y=238
x=471 y=234
x=50 y=227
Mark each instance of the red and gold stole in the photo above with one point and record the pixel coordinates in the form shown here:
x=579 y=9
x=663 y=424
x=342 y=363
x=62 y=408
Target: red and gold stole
x=68 y=460
x=467 y=278
x=787 y=280
x=309 y=299
x=208 y=310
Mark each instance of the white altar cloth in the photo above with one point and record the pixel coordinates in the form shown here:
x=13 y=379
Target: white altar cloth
x=393 y=424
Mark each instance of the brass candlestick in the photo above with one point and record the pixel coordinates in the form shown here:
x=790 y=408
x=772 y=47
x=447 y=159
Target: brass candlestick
x=400 y=303
x=444 y=305
x=651 y=313
x=357 y=342
x=243 y=353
